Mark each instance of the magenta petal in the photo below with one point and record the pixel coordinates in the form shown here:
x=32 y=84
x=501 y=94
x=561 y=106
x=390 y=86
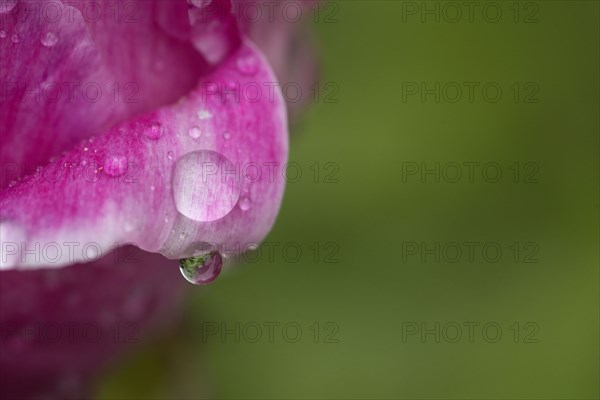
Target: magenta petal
x=59 y=327
x=68 y=74
x=288 y=44
x=206 y=169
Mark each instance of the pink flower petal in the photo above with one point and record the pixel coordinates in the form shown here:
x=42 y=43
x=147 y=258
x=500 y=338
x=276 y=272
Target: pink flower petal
x=281 y=31
x=207 y=169
x=58 y=327
x=70 y=73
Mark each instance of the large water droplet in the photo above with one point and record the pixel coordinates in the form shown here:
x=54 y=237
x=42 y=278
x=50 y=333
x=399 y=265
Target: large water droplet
x=49 y=39
x=247 y=64
x=201 y=269
x=7 y=6
x=195 y=132
x=206 y=186
x=154 y=130
x=115 y=165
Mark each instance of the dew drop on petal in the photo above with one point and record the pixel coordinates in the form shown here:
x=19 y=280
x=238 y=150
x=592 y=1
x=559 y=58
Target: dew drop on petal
x=204 y=186
x=203 y=268
x=115 y=165
x=3 y=33
x=195 y=132
x=245 y=203
x=247 y=64
x=15 y=38
x=49 y=39
x=170 y=155
x=154 y=130
x=226 y=135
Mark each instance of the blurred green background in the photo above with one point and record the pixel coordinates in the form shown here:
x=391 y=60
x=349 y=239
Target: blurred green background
x=372 y=306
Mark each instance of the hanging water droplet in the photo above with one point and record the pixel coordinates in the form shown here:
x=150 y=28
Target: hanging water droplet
x=204 y=114
x=245 y=203
x=3 y=33
x=154 y=130
x=49 y=39
x=170 y=155
x=15 y=38
x=226 y=135
x=247 y=64
x=115 y=165
x=205 y=185
x=195 y=132
x=202 y=269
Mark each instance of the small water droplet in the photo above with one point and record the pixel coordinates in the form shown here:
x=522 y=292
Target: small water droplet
x=154 y=130
x=201 y=269
x=115 y=165
x=226 y=135
x=247 y=64
x=204 y=114
x=3 y=33
x=12 y=183
x=15 y=38
x=170 y=155
x=195 y=132
x=85 y=149
x=245 y=203
x=182 y=235
x=49 y=39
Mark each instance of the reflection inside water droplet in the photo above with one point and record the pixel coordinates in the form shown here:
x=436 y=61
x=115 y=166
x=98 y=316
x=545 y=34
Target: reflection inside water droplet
x=203 y=268
x=206 y=186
